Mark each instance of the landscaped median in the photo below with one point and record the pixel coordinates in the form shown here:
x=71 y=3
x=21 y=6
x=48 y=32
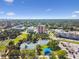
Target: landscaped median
x=70 y=41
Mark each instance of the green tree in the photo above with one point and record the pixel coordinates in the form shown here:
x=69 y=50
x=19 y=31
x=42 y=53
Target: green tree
x=39 y=49
x=53 y=44
x=53 y=56
x=62 y=54
x=11 y=51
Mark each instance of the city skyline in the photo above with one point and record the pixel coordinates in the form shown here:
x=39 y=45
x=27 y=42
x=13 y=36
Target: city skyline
x=39 y=9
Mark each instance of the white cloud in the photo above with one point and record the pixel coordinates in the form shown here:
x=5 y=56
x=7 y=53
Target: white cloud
x=74 y=16
x=9 y=1
x=10 y=14
x=77 y=12
x=48 y=10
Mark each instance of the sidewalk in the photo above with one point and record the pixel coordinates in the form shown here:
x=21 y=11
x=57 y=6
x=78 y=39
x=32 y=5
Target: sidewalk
x=43 y=57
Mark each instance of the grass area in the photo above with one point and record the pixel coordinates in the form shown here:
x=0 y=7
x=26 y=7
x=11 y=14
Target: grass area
x=59 y=52
x=71 y=41
x=20 y=37
x=2 y=47
x=3 y=44
x=44 y=46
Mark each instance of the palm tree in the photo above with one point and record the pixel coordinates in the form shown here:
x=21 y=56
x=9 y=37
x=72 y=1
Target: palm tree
x=39 y=49
x=62 y=54
x=11 y=51
x=53 y=44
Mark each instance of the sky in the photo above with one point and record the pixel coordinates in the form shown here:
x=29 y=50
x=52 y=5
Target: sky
x=39 y=9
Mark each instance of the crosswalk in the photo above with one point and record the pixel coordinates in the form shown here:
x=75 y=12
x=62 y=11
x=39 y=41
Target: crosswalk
x=8 y=57
x=39 y=57
x=4 y=57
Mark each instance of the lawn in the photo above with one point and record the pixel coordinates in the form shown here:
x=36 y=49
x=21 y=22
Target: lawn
x=20 y=37
x=43 y=47
x=3 y=44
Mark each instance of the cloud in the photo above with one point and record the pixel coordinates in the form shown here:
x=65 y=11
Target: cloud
x=48 y=10
x=74 y=16
x=9 y=1
x=10 y=14
x=76 y=12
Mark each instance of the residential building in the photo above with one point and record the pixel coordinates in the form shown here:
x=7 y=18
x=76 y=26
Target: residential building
x=41 y=29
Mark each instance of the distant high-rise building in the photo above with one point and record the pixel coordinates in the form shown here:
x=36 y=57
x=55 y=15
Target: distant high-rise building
x=41 y=28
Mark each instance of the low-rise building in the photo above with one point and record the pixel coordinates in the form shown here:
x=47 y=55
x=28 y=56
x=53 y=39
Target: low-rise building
x=31 y=29
x=68 y=35
x=19 y=27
